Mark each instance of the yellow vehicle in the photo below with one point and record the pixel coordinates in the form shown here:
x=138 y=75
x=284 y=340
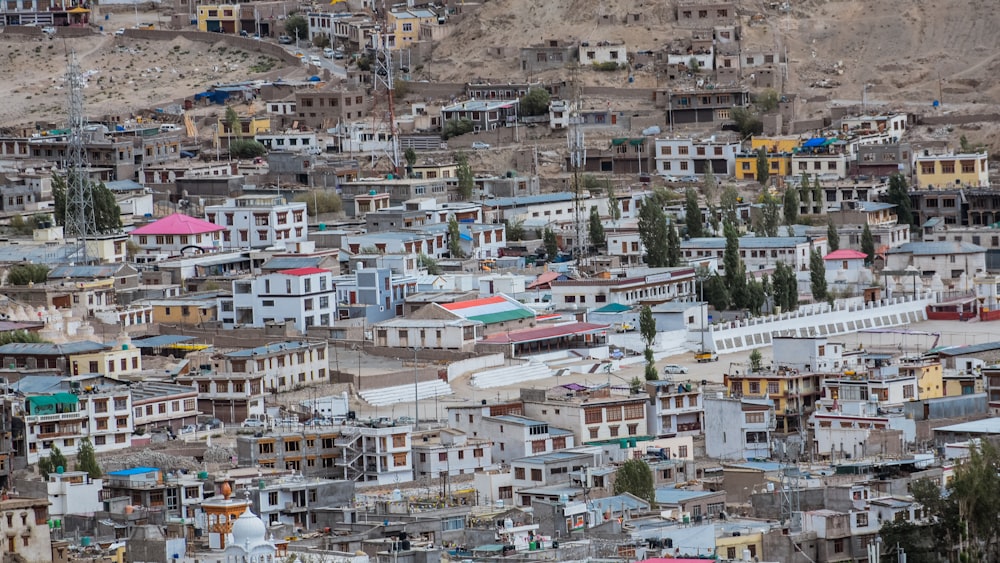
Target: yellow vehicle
x=705 y=356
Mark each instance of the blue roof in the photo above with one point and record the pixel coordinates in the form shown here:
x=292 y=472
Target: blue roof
x=670 y=495
x=745 y=242
x=941 y=248
x=874 y=205
x=161 y=340
x=529 y=200
x=560 y=455
x=814 y=142
x=49 y=349
x=123 y=185
x=268 y=349
x=133 y=471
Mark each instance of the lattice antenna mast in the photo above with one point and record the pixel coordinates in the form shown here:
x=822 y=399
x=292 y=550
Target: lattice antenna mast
x=383 y=80
x=578 y=160
x=79 y=212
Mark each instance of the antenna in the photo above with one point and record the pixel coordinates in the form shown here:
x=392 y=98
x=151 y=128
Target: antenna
x=79 y=212
x=382 y=79
x=577 y=159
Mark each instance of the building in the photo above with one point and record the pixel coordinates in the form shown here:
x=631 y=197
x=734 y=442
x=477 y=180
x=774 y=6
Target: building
x=306 y=297
x=701 y=106
x=952 y=170
x=259 y=221
x=757 y=253
x=948 y=260
x=698 y=504
x=739 y=428
x=175 y=235
x=638 y=286
x=592 y=414
x=451 y=452
x=496 y=314
x=73 y=492
x=792 y=393
x=175 y=495
x=188 y=309
x=432 y=334
x=602 y=53
x=297 y=502
x=510 y=434
x=220 y=18
x=687 y=157
x=552 y=54
x=485 y=115
x=404 y=26
x=332 y=105
x=674 y=409
x=27 y=530
x=163 y=405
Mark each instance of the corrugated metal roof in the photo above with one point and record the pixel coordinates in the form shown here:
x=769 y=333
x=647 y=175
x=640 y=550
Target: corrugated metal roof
x=49 y=349
x=264 y=350
x=292 y=262
x=937 y=248
x=86 y=272
x=161 y=340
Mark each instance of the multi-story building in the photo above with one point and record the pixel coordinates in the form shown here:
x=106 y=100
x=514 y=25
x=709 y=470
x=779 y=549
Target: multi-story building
x=73 y=492
x=219 y=18
x=510 y=434
x=701 y=106
x=739 y=428
x=163 y=405
x=404 y=26
x=448 y=451
x=400 y=190
x=544 y=470
x=592 y=414
x=294 y=500
x=687 y=156
x=304 y=296
x=792 y=393
x=637 y=286
x=952 y=170
x=950 y=260
x=603 y=52
x=259 y=221
x=373 y=293
x=175 y=495
x=27 y=530
x=485 y=115
x=294 y=141
x=758 y=253
x=331 y=105
x=675 y=409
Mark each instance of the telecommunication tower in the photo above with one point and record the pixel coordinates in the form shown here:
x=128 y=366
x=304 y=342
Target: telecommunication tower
x=577 y=160
x=384 y=84
x=79 y=212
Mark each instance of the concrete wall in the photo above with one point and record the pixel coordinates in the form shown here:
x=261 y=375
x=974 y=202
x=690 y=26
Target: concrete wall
x=456 y=369
x=234 y=41
x=738 y=336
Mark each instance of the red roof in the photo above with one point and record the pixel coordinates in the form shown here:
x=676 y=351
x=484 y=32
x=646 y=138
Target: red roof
x=544 y=279
x=458 y=306
x=542 y=333
x=303 y=271
x=178 y=224
x=845 y=254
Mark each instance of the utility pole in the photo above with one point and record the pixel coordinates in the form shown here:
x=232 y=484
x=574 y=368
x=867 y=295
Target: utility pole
x=577 y=159
x=383 y=80
x=79 y=212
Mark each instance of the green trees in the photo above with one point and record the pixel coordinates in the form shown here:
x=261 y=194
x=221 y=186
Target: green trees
x=647 y=329
x=832 y=237
x=52 y=462
x=791 y=206
x=635 y=477
x=728 y=202
x=466 y=180
x=716 y=292
x=321 y=201
x=767 y=100
x=232 y=121
x=595 y=229
x=426 y=262
x=107 y=214
x=515 y=230
x=763 y=167
x=868 y=244
x=736 y=278
x=454 y=239
x=410 y=156
x=24 y=274
x=673 y=247
x=755 y=360
x=747 y=122
x=614 y=206
x=246 y=148
x=86 y=460
x=535 y=102
x=297 y=27
x=899 y=195
x=456 y=127
x=817 y=275
x=653 y=233
x=692 y=214
x=551 y=244
x=769 y=218
x=785 y=288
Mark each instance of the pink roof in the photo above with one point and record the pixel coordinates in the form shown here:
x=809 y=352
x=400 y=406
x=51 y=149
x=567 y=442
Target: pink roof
x=303 y=271
x=845 y=254
x=178 y=224
x=542 y=333
x=459 y=305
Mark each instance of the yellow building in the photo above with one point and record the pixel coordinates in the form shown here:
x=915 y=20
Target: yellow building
x=223 y=18
x=435 y=171
x=950 y=170
x=121 y=360
x=404 y=26
x=775 y=144
x=779 y=165
x=930 y=382
x=730 y=547
x=191 y=309
x=794 y=394
x=249 y=126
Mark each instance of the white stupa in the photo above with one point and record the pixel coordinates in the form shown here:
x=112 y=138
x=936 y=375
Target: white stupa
x=248 y=541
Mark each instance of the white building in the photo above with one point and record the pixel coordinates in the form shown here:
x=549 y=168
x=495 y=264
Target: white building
x=687 y=156
x=560 y=114
x=449 y=452
x=294 y=141
x=825 y=166
x=739 y=429
x=758 y=253
x=638 y=285
x=283 y=365
x=73 y=492
x=845 y=268
x=259 y=221
x=65 y=419
x=948 y=259
x=511 y=434
x=175 y=235
x=386 y=453
x=675 y=409
x=163 y=405
x=812 y=354
x=592 y=414
x=603 y=52
x=305 y=296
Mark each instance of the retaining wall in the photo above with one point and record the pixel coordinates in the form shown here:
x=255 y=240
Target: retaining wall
x=235 y=41
x=745 y=335
x=457 y=369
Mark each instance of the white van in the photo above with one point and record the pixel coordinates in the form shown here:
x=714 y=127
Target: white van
x=169 y=127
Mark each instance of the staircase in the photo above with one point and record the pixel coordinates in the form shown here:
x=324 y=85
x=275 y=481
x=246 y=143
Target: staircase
x=404 y=393
x=510 y=375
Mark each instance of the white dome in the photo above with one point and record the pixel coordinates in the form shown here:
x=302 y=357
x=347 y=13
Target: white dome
x=248 y=529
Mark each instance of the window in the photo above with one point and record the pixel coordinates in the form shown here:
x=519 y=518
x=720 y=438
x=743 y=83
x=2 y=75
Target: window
x=593 y=433
x=838 y=545
x=592 y=415
x=519 y=473
x=861 y=519
x=536 y=474
x=614 y=431
x=634 y=411
x=613 y=413
x=772 y=388
x=754 y=387
x=908 y=391
x=682 y=451
x=754 y=417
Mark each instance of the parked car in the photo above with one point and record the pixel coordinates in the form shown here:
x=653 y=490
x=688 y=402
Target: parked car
x=480 y=146
x=674 y=369
x=285 y=40
x=328 y=53
x=689 y=179
x=315 y=61
x=121 y=31
x=253 y=423
x=671 y=179
x=49 y=30
x=623 y=327
x=189 y=429
x=338 y=54
x=706 y=356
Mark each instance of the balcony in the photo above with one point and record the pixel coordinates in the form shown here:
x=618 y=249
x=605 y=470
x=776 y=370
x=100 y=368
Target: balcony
x=77 y=415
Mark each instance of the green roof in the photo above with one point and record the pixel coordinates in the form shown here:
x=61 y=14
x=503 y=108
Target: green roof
x=636 y=142
x=618 y=142
x=613 y=308
x=54 y=399
x=503 y=316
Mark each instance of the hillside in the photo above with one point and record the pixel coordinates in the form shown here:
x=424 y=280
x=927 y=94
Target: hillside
x=900 y=48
